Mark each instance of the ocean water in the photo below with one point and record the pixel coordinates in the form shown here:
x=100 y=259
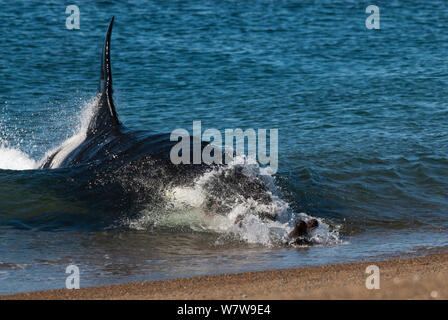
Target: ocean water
x=362 y=118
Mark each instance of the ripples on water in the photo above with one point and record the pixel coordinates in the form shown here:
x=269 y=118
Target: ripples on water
x=362 y=119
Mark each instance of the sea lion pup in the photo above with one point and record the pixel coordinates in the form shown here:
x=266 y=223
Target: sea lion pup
x=301 y=230
x=300 y=233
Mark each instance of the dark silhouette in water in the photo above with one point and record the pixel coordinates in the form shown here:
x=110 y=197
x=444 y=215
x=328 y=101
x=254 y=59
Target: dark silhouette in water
x=302 y=231
x=134 y=168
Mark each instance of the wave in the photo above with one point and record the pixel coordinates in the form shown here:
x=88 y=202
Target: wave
x=14 y=159
x=239 y=218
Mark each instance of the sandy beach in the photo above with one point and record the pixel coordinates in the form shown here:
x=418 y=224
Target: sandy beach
x=411 y=278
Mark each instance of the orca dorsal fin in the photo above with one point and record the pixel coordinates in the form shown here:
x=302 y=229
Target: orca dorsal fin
x=105 y=115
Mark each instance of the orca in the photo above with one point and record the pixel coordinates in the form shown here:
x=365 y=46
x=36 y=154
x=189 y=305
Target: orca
x=135 y=165
x=107 y=140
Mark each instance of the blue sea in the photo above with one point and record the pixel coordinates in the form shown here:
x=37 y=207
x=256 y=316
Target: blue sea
x=362 y=119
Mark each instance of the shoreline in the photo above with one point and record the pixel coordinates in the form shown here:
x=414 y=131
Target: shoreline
x=409 y=278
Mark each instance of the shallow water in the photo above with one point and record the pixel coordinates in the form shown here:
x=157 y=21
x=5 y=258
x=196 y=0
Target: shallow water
x=361 y=114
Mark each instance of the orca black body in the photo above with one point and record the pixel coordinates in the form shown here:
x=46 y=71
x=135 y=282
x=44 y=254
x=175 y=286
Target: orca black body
x=105 y=137
x=136 y=165
x=107 y=141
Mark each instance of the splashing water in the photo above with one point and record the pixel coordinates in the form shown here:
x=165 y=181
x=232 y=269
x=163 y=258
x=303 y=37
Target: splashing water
x=78 y=135
x=186 y=207
x=14 y=159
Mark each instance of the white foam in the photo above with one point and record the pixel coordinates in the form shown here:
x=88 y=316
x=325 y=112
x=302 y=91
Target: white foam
x=186 y=208
x=79 y=135
x=14 y=159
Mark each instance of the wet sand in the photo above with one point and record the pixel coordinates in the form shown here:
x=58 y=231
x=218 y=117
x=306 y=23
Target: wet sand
x=411 y=278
